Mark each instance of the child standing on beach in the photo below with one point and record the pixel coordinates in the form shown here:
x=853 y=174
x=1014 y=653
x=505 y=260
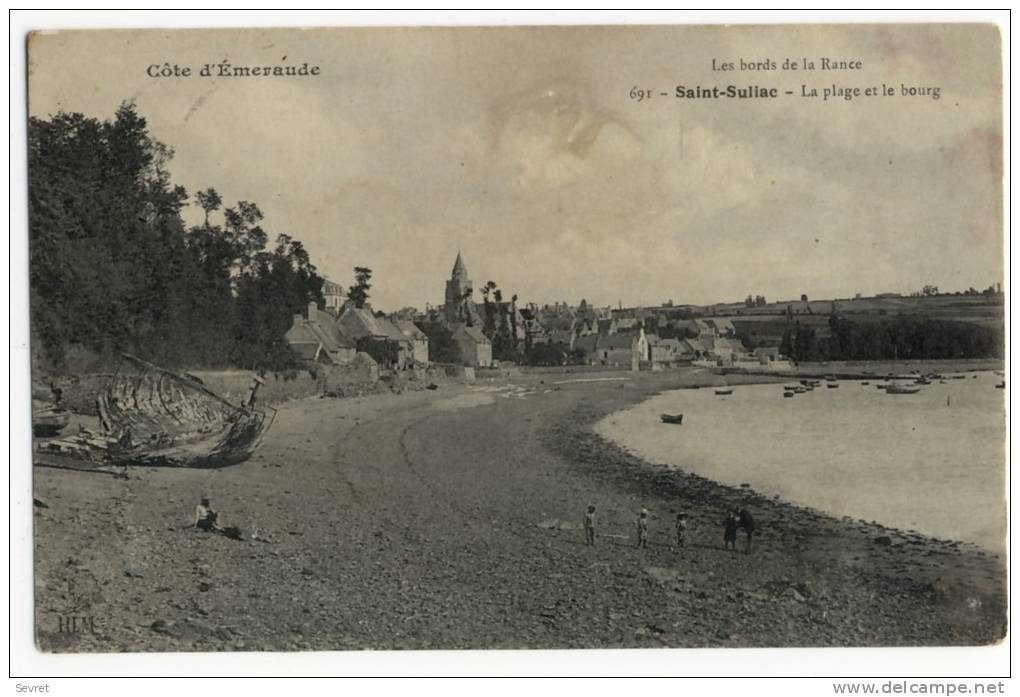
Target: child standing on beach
x=746 y=521
x=730 y=531
x=589 y=526
x=681 y=530
x=642 y=529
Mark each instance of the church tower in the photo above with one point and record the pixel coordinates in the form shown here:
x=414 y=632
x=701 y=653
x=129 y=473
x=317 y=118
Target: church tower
x=457 y=287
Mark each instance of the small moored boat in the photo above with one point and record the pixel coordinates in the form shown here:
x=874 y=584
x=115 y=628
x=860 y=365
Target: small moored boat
x=901 y=389
x=788 y=393
x=672 y=418
x=726 y=391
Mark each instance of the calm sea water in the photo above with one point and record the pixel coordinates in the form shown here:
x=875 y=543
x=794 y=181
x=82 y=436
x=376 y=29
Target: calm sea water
x=933 y=462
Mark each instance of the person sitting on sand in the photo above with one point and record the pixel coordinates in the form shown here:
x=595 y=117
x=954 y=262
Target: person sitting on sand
x=589 y=526
x=730 y=531
x=746 y=521
x=206 y=517
x=681 y=530
x=642 y=529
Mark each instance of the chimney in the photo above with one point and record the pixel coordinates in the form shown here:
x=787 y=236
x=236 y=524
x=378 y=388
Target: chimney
x=312 y=309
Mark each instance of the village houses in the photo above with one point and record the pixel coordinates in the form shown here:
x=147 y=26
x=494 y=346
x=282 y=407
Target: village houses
x=318 y=338
x=332 y=335
x=638 y=338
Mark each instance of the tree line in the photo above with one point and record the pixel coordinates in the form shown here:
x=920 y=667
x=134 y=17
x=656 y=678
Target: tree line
x=903 y=338
x=115 y=269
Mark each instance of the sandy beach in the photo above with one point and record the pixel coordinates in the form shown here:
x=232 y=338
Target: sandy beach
x=450 y=519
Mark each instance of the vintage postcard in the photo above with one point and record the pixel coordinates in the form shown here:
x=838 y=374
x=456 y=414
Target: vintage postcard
x=517 y=337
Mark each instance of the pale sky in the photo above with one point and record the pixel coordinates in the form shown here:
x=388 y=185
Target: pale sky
x=522 y=147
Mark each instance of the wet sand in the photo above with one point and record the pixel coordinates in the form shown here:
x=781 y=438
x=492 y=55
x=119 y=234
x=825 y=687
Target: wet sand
x=451 y=519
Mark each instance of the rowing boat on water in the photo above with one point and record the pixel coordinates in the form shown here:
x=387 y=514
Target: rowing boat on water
x=901 y=389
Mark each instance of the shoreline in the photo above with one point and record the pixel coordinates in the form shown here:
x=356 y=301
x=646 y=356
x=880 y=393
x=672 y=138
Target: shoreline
x=450 y=520
x=821 y=455
x=574 y=437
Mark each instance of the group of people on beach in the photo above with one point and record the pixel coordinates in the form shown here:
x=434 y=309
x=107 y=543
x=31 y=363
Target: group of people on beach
x=734 y=520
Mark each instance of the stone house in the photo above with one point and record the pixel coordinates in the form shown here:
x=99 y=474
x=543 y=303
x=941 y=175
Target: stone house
x=318 y=338
x=767 y=354
x=361 y=323
x=624 y=350
x=419 y=340
x=692 y=349
x=664 y=352
x=721 y=326
x=475 y=347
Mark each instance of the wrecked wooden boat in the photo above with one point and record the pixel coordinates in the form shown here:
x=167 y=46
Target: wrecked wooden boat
x=155 y=417
x=49 y=418
x=49 y=421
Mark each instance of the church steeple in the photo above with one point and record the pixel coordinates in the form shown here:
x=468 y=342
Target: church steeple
x=459 y=268
x=459 y=291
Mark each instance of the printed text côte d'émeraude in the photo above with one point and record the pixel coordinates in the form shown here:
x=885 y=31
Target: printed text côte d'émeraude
x=228 y=69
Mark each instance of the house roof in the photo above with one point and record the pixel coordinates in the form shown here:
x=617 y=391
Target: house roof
x=362 y=358
x=360 y=323
x=473 y=333
x=617 y=341
x=689 y=324
x=300 y=332
x=734 y=345
x=322 y=330
x=331 y=288
x=410 y=329
x=694 y=345
x=393 y=332
x=306 y=350
x=722 y=324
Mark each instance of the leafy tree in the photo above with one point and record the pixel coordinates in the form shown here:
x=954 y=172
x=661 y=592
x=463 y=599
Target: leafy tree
x=386 y=353
x=208 y=200
x=113 y=269
x=358 y=293
x=547 y=354
x=442 y=347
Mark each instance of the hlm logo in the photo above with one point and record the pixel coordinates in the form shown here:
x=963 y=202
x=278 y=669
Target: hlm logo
x=76 y=624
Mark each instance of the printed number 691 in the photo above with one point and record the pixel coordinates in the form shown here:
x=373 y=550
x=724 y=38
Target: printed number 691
x=638 y=94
